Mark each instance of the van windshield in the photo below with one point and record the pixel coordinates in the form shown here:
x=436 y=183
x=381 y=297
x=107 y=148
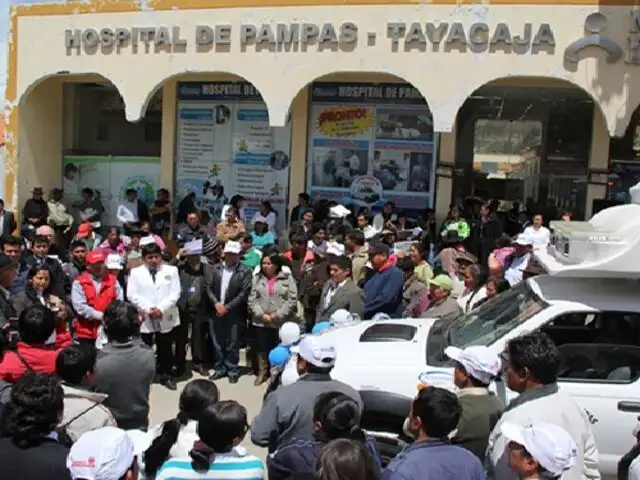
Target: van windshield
x=493 y=319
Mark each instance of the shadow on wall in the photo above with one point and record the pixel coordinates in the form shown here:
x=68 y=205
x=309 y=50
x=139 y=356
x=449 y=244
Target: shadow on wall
x=597 y=29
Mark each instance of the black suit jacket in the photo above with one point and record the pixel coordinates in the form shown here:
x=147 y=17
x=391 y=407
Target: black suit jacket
x=8 y=224
x=237 y=292
x=143 y=212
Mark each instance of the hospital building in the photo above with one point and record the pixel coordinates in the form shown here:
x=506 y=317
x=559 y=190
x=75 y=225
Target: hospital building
x=358 y=101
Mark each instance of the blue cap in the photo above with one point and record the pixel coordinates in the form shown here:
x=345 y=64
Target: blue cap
x=319 y=327
x=279 y=356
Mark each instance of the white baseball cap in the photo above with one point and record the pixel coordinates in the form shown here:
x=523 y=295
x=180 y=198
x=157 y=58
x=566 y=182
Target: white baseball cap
x=114 y=262
x=317 y=350
x=232 y=247
x=194 y=247
x=523 y=240
x=335 y=248
x=550 y=445
x=148 y=240
x=480 y=362
x=103 y=454
x=339 y=211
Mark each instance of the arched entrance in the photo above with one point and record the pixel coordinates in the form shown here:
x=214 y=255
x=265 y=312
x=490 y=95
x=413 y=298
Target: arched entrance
x=104 y=152
x=624 y=164
x=370 y=140
x=526 y=143
x=72 y=132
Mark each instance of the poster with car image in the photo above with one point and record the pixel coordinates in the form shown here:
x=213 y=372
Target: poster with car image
x=226 y=147
x=371 y=143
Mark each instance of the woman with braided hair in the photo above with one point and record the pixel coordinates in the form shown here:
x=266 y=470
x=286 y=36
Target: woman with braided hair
x=335 y=415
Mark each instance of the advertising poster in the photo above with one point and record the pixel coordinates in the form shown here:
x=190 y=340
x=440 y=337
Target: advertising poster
x=110 y=177
x=226 y=147
x=371 y=143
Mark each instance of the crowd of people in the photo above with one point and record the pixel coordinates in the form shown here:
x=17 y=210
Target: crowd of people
x=91 y=322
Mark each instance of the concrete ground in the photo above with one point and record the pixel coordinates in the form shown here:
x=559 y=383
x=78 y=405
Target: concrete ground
x=164 y=402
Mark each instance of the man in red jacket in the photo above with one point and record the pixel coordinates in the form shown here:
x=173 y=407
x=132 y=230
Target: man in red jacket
x=36 y=325
x=91 y=294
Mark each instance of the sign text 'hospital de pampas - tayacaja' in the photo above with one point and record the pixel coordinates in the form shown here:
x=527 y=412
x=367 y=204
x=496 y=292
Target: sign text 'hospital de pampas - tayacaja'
x=408 y=36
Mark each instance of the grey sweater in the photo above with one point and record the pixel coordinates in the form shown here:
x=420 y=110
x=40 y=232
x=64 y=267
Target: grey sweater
x=125 y=373
x=287 y=413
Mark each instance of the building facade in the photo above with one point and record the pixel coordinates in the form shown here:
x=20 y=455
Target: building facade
x=359 y=101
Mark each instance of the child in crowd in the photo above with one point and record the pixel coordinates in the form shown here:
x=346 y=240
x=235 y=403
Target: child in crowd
x=218 y=455
x=541 y=451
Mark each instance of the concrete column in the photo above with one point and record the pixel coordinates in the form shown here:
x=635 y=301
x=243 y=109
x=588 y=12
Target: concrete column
x=40 y=138
x=299 y=137
x=168 y=143
x=444 y=183
x=598 y=159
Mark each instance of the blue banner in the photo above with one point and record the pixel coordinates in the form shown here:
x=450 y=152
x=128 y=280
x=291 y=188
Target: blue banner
x=366 y=93
x=207 y=91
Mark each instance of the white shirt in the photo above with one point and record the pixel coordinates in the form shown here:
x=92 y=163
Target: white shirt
x=634 y=469
x=128 y=212
x=468 y=299
x=227 y=273
x=331 y=291
x=540 y=237
x=513 y=274
x=223 y=213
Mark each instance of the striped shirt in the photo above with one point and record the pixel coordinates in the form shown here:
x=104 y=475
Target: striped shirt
x=225 y=466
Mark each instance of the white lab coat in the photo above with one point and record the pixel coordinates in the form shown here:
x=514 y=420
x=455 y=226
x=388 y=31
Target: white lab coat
x=163 y=295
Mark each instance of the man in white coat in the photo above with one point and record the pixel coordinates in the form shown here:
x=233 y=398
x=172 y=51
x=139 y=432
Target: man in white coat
x=154 y=288
x=532 y=371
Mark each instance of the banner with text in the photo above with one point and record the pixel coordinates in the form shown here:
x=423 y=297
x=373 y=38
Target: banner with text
x=371 y=143
x=226 y=147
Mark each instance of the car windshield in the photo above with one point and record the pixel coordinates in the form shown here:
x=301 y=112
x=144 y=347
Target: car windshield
x=495 y=318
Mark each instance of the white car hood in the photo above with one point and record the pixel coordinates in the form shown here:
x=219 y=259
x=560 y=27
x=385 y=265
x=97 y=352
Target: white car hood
x=394 y=366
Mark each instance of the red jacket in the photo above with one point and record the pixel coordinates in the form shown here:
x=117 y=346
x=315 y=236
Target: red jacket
x=87 y=327
x=41 y=358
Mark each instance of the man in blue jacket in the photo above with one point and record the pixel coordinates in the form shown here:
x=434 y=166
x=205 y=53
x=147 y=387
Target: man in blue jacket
x=434 y=415
x=383 y=289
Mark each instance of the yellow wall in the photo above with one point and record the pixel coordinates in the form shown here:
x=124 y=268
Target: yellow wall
x=38 y=62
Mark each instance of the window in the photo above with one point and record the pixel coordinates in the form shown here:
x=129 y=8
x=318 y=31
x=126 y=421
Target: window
x=493 y=319
x=506 y=159
x=597 y=347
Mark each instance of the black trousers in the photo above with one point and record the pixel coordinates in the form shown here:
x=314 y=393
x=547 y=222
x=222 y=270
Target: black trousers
x=224 y=334
x=264 y=340
x=171 y=348
x=199 y=334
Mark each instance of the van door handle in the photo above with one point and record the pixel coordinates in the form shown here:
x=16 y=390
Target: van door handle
x=628 y=406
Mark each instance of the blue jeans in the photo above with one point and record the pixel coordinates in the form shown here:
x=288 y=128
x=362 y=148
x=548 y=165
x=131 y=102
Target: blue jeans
x=224 y=334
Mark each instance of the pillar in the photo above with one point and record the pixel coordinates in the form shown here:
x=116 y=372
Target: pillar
x=299 y=137
x=40 y=127
x=598 y=162
x=444 y=173
x=168 y=142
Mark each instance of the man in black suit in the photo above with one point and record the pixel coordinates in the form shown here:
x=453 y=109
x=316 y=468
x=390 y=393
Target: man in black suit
x=7 y=221
x=340 y=292
x=228 y=285
x=304 y=203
